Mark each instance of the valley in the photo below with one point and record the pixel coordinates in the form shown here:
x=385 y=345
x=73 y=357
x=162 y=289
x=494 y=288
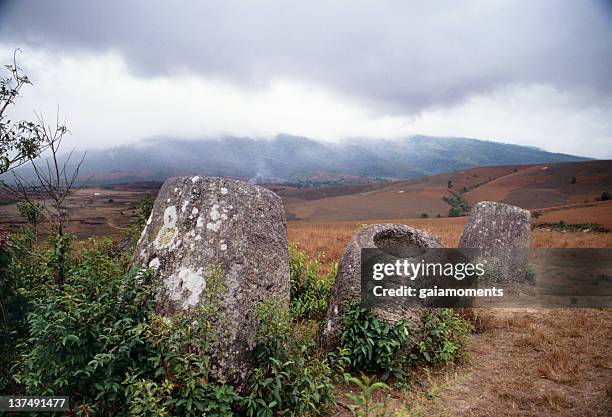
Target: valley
x=544 y=188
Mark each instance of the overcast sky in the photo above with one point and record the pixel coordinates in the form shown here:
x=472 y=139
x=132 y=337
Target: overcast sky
x=528 y=72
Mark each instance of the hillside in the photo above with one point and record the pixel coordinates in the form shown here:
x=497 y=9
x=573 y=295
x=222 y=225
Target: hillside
x=527 y=186
x=305 y=161
x=548 y=185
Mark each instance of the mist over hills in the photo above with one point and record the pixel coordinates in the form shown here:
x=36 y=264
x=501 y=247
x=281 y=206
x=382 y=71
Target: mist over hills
x=288 y=158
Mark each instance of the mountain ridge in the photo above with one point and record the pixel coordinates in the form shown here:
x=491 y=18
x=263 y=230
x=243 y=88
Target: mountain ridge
x=287 y=158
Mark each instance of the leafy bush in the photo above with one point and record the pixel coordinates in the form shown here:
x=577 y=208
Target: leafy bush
x=291 y=379
x=24 y=274
x=97 y=339
x=339 y=361
x=309 y=293
x=86 y=333
x=374 y=345
x=377 y=346
x=444 y=338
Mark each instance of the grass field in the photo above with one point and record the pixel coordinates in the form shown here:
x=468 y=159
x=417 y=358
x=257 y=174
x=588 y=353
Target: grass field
x=328 y=239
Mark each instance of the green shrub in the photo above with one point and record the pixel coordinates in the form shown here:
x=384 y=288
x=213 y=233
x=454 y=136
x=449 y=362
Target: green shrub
x=87 y=333
x=25 y=273
x=444 y=338
x=374 y=345
x=98 y=339
x=364 y=402
x=290 y=378
x=339 y=361
x=33 y=212
x=309 y=293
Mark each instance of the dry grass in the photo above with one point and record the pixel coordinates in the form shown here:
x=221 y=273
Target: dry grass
x=526 y=363
x=596 y=212
x=559 y=365
x=328 y=239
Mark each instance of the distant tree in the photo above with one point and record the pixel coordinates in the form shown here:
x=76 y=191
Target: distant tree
x=450 y=184
x=424 y=215
x=605 y=196
x=574 y=180
x=536 y=214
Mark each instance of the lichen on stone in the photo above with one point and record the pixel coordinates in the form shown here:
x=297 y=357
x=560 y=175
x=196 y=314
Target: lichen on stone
x=154 y=264
x=185 y=287
x=168 y=231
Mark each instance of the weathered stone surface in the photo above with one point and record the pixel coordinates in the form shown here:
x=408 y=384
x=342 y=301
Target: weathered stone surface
x=199 y=223
x=501 y=232
x=347 y=286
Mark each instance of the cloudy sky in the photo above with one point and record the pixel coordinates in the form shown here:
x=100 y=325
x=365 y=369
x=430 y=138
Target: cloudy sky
x=528 y=72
